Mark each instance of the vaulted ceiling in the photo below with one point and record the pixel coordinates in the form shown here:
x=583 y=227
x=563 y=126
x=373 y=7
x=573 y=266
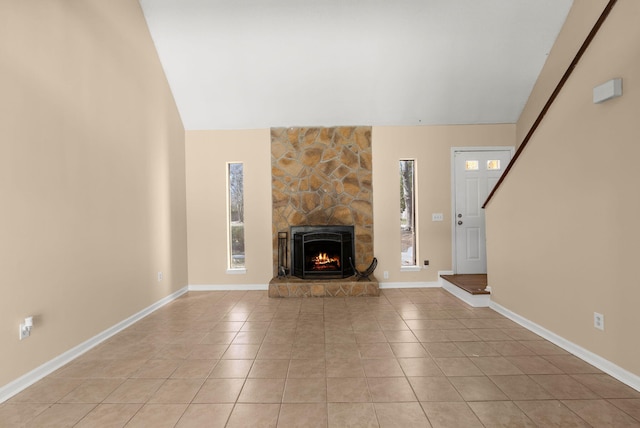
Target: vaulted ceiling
x=245 y=64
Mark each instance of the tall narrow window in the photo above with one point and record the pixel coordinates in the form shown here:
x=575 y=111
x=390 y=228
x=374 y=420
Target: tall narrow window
x=235 y=205
x=408 y=212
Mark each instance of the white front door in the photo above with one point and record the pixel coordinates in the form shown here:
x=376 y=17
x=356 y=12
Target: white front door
x=475 y=174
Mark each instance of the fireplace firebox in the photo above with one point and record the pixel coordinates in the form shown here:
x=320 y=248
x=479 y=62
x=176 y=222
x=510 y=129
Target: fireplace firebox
x=322 y=251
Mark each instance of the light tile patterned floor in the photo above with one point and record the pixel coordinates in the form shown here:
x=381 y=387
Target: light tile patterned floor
x=409 y=358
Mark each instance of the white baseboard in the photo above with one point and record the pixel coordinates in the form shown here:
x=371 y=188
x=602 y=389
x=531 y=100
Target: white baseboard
x=605 y=365
x=9 y=390
x=383 y=285
x=228 y=287
x=424 y=284
x=249 y=287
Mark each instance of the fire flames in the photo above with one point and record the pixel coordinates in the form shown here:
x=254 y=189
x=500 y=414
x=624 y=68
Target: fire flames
x=323 y=261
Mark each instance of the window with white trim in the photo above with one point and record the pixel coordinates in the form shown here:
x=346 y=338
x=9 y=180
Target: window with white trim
x=235 y=215
x=408 y=247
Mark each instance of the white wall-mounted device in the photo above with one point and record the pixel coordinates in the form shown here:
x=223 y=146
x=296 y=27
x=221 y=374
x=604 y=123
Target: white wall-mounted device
x=608 y=90
x=25 y=328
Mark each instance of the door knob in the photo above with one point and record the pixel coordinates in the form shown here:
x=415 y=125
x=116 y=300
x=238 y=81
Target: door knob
x=459 y=222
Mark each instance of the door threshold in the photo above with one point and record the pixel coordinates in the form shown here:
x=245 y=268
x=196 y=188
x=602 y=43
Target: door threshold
x=481 y=297
x=474 y=284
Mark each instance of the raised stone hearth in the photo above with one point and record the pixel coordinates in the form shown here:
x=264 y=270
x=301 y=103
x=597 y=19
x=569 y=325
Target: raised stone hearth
x=348 y=287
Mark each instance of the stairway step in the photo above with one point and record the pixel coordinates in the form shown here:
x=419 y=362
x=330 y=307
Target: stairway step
x=475 y=284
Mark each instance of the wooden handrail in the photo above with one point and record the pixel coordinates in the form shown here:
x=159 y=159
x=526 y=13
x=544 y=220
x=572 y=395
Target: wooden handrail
x=554 y=95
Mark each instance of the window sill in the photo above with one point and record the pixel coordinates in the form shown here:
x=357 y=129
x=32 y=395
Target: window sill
x=410 y=268
x=240 y=271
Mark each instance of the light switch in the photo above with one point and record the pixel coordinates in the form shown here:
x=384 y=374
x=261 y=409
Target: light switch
x=437 y=217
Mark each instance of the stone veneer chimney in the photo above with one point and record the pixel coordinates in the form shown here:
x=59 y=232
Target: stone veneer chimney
x=320 y=177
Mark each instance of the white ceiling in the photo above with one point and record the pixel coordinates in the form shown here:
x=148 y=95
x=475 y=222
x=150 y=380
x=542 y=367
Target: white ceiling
x=245 y=64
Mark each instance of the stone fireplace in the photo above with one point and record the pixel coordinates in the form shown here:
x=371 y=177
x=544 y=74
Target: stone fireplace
x=322 y=177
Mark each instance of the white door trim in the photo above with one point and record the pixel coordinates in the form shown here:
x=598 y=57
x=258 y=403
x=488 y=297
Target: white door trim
x=455 y=150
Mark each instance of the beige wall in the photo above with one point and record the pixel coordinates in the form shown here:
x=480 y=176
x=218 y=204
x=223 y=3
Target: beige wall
x=91 y=175
x=207 y=153
x=562 y=230
x=431 y=146
x=580 y=20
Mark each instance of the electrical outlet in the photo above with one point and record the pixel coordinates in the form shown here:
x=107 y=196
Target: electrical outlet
x=386 y=274
x=160 y=276
x=24 y=331
x=426 y=263
x=598 y=321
